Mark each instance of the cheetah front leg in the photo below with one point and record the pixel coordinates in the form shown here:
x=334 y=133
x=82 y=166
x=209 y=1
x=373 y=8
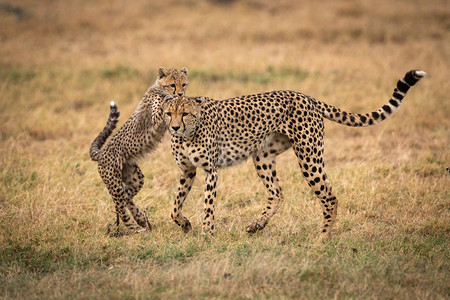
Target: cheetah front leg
x=265 y=166
x=186 y=179
x=210 y=199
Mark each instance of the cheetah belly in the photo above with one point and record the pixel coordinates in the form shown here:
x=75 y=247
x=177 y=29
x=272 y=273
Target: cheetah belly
x=233 y=152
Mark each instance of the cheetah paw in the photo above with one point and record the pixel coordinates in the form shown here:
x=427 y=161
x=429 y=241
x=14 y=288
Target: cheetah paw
x=255 y=226
x=186 y=226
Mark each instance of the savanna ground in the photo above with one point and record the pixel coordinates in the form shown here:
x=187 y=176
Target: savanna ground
x=61 y=62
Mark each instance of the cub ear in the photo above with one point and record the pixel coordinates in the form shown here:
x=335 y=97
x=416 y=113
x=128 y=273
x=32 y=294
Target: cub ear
x=167 y=98
x=184 y=70
x=199 y=100
x=162 y=73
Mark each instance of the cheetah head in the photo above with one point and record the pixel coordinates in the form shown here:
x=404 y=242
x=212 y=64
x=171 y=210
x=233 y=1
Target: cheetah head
x=173 y=81
x=182 y=114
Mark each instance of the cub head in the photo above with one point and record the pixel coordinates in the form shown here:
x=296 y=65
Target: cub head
x=173 y=81
x=182 y=114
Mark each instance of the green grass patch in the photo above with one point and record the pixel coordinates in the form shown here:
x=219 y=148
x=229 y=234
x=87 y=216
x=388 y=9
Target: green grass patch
x=119 y=72
x=263 y=77
x=17 y=74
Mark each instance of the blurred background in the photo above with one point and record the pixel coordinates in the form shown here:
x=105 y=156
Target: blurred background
x=62 y=62
x=61 y=58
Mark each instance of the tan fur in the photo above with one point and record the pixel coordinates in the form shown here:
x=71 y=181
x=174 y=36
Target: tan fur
x=213 y=134
x=141 y=133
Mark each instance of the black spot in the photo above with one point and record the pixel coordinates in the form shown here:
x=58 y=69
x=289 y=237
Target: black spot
x=387 y=108
x=409 y=78
x=397 y=96
x=393 y=102
x=402 y=87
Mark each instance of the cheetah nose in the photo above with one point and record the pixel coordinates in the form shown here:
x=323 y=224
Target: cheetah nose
x=180 y=94
x=175 y=128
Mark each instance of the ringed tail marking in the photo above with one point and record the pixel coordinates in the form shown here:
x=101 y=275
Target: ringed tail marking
x=362 y=120
x=100 y=140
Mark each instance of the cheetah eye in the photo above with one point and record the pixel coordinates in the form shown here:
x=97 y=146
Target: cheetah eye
x=184 y=85
x=168 y=114
x=185 y=114
x=172 y=85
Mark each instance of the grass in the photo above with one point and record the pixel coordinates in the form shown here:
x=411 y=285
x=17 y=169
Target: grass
x=60 y=69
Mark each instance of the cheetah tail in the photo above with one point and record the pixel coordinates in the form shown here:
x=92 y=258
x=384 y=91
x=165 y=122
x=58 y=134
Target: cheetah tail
x=106 y=132
x=361 y=120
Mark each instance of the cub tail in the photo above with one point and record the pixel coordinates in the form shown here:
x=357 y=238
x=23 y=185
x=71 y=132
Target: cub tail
x=100 y=140
x=386 y=111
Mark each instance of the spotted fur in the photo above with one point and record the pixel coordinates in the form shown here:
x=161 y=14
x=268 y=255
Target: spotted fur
x=212 y=134
x=139 y=135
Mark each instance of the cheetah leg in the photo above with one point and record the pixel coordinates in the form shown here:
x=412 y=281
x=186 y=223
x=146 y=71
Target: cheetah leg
x=119 y=195
x=315 y=175
x=133 y=180
x=186 y=179
x=265 y=166
x=210 y=198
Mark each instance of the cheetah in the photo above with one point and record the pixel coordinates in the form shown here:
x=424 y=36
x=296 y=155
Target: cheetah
x=139 y=135
x=213 y=134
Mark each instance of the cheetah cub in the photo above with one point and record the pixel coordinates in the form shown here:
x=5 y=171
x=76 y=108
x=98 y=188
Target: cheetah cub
x=213 y=134
x=139 y=135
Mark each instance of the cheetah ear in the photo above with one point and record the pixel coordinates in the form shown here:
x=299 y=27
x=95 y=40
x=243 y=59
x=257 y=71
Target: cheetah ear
x=199 y=100
x=184 y=70
x=167 y=98
x=162 y=73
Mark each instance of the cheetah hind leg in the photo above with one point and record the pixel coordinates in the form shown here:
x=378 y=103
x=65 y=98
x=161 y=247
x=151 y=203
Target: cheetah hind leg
x=119 y=196
x=316 y=177
x=133 y=181
x=265 y=166
x=113 y=229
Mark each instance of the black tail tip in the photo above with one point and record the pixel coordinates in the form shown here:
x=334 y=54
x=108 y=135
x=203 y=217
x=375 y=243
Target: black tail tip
x=411 y=78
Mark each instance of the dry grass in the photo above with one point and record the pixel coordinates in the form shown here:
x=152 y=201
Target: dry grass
x=61 y=62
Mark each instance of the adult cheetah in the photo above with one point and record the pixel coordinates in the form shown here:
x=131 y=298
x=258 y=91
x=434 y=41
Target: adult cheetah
x=139 y=135
x=212 y=134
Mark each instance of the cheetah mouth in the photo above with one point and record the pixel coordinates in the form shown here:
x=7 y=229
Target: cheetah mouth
x=177 y=133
